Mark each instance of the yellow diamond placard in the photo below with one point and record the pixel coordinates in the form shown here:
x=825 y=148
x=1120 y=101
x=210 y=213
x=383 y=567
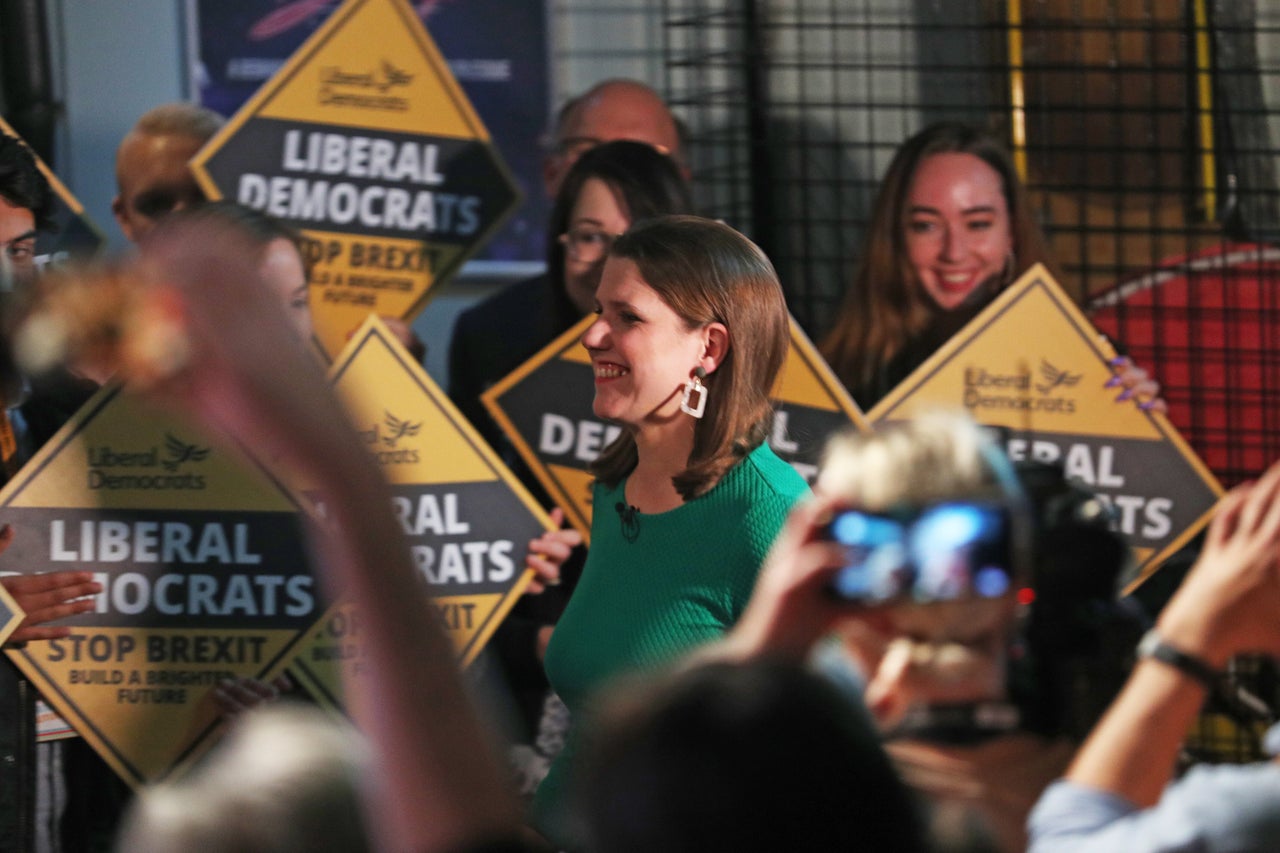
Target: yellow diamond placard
x=204 y=568
x=467 y=518
x=11 y=615
x=364 y=141
x=544 y=407
x=1033 y=364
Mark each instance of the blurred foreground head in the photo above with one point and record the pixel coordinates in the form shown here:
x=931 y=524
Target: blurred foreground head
x=756 y=757
x=938 y=456
x=287 y=778
x=1058 y=655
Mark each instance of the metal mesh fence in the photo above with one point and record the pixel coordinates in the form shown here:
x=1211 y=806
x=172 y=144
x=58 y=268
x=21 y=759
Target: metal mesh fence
x=1146 y=130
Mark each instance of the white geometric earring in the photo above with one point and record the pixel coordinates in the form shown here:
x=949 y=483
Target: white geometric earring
x=695 y=386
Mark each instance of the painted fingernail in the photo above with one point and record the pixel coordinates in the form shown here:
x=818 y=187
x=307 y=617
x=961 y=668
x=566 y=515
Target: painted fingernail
x=1118 y=361
x=1148 y=405
x=1112 y=382
x=1124 y=395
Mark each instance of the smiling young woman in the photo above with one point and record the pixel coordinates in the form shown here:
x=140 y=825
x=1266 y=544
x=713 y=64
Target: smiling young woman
x=950 y=228
x=957 y=232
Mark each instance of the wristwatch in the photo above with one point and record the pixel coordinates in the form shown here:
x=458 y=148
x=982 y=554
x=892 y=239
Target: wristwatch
x=1153 y=646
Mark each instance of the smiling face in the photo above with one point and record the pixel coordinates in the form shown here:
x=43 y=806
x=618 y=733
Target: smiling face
x=957 y=229
x=601 y=214
x=642 y=352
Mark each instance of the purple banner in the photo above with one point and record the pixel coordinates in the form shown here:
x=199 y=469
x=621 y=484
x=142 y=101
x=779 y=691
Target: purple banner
x=497 y=50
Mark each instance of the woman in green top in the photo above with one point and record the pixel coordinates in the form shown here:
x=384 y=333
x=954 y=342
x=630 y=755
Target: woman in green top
x=690 y=335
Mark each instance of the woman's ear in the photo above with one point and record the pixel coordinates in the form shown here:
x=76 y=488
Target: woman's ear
x=715 y=347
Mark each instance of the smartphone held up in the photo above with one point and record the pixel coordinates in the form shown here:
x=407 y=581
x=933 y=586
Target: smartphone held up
x=941 y=552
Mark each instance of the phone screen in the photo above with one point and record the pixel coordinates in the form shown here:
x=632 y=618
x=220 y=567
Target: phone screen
x=942 y=552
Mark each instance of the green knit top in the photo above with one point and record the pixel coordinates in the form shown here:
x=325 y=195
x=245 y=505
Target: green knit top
x=659 y=585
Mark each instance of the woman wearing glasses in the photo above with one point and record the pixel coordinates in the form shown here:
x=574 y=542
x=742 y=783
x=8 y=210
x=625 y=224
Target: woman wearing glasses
x=621 y=182
x=609 y=188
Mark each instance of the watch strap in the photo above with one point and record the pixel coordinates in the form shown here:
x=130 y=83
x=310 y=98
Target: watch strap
x=1153 y=646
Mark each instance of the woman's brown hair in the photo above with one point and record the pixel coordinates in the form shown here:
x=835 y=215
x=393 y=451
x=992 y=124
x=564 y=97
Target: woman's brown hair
x=885 y=307
x=708 y=273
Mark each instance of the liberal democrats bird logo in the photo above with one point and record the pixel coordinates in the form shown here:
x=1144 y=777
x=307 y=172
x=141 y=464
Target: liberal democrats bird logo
x=392 y=76
x=1055 y=377
x=398 y=429
x=179 y=452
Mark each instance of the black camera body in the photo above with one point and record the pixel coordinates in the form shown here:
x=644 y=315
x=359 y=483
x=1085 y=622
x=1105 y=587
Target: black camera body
x=1075 y=647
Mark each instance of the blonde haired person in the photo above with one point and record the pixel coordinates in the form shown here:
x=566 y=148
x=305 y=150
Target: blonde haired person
x=287 y=777
x=937 y=675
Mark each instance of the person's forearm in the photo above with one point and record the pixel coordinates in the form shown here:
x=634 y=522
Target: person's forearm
x=440 y=780
x=1225 y=606
x=1132 y=750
